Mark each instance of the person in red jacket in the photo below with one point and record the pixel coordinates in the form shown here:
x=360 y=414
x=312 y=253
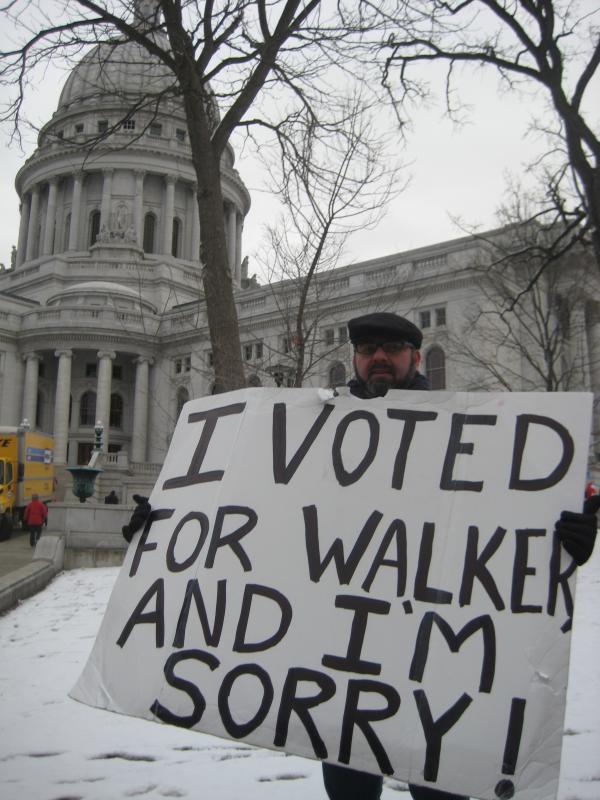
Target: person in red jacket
x=34 y=517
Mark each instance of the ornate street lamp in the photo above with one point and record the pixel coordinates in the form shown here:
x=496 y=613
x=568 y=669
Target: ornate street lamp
x=84 y=478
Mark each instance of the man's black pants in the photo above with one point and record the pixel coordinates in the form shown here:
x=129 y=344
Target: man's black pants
x=35 y=531
x=343 y=783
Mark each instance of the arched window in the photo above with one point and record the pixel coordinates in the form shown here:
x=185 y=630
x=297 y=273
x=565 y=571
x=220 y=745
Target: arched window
x=435 y=368
x=175 y=237
x=149 y=229
x=182 y=397
x=94 y=226
x=116 y=411
x=67 y=232
x=87 y=409
x=254 y=380
x=337 y=374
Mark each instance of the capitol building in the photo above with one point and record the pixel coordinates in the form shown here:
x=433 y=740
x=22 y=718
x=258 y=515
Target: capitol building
x=102 y=314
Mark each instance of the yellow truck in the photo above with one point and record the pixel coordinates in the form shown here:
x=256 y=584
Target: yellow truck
x=26 y=468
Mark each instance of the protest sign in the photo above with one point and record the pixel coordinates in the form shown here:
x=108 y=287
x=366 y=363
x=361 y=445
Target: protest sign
x=375 y=584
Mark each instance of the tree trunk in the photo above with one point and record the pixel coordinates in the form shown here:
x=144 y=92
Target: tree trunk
x=216 y=275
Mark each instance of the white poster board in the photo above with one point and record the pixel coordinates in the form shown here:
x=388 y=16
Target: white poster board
x=370 y=583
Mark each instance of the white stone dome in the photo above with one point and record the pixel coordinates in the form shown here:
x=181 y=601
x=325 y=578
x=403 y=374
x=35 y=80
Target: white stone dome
x=121 y=73
x=116 y=70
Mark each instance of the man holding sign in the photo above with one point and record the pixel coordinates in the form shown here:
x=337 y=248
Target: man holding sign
x=386 y=357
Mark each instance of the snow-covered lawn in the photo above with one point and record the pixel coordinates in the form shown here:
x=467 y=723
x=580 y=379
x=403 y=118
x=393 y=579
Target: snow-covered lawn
x=53 y=748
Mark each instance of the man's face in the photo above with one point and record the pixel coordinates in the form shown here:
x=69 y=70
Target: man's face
x=385 y=365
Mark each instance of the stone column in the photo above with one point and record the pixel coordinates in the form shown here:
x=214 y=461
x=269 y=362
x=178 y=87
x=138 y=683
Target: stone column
x=103 y=391
x=169 y=210
x=30 y=391
x=140 y=409
x=138 y=206
x=23 y=226
x=75 y=211
x=195 y=226
x=61 y=405
x=11 y=389
x=106 y=200
x=231 y=216
x=33 y=223
x=48 y=245
x=239 y=226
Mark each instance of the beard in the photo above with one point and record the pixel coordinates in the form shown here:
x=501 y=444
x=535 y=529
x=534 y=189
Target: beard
x=379 y=384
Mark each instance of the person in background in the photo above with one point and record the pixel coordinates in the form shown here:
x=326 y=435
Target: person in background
x=111 y=499
x=34 y=517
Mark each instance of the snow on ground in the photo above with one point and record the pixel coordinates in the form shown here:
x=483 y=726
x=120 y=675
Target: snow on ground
x=52 y=748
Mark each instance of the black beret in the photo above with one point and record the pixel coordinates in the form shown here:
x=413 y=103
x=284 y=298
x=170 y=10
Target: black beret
x=384 y=326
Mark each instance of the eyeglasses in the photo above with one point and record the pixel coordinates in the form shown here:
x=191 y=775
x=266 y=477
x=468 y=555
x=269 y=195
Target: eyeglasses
x=389 y=348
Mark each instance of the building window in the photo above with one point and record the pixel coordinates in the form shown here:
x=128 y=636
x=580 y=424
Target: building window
x=337 y=374
x=343 y=334
x=175 y=236
x=182 y=398
x=117 y=372
x=425 y=319
x=149 y=228
x=435 y=368
x=87 y=409
x=210 y=359
x=283 y=378
x=116 y=411
x=247 y=352
x=67 y=232
x=84 y=452
x=254 y=381
x=329 y=337
x=258 y=350
x=79 y=127
x=102 y=125
x=94 y=227
x=440 y=317
x=286 y=346
x=41 y=369
x=60 y=135
x=563 y=315
x=128 y=125
x=155 y=129
x=180 y=134
x=183 y=364
x=91 y=370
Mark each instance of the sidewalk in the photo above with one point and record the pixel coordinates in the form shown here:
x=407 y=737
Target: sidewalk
x=15 y=552
x=23 y=570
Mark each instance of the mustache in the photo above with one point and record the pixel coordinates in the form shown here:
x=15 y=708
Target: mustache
x=377 y=369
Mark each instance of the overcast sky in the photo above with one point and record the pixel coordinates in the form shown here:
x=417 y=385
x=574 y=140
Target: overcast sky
x=454 y=171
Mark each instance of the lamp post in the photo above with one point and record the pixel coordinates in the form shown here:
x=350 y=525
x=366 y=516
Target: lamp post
x=84 y=478
x=98 y=431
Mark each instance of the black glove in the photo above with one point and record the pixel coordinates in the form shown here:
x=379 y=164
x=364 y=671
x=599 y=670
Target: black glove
x=577 y=532
x=140 y=514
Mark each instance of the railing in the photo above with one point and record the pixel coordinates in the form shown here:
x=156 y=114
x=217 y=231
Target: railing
x=107 y=316
x=143 y=468
x=255 y=302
